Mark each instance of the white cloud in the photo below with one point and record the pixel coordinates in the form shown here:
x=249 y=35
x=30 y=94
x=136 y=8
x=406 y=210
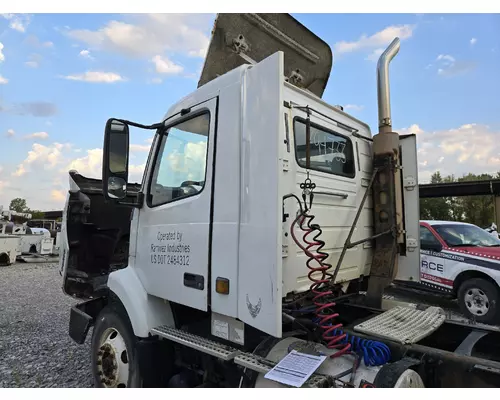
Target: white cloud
x=413 y=129
x=38 y=135
x=2 y=57
x=32 y=40
x=473 y=41
x=377 y=40
x=44 y=175
x=3 y=185
x=446 y=58
x=469 y=148
x=34 y=108
x=156 y=81
x=96 y=77
x=451 y=67
x=86 y=54
x=150 y=34
x=34 y=61
x=58 y=196
x=164 y=66
x=354 y=107
x=40 y=156
x=18 y=22
x=139 y=147
x=3 y=81
x=91 y=166
x=375 y=55
x=189 y=162
x=10 y=132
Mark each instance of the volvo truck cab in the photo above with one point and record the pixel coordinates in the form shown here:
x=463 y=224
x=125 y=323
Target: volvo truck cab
x=262 y=213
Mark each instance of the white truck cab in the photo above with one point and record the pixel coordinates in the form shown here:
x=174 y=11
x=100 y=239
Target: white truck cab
x=261 y=208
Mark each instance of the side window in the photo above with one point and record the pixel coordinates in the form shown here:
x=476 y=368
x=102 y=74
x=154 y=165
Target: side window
x=329 y=151
x=181 y=163
x=427 y=238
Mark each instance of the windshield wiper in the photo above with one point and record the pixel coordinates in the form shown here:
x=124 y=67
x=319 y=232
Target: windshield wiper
x=464 y=245
x=493 y=245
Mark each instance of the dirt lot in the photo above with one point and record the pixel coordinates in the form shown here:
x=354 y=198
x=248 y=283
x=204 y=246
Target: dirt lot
x=35 y=349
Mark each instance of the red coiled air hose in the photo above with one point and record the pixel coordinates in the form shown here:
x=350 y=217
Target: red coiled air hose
x=324 y=308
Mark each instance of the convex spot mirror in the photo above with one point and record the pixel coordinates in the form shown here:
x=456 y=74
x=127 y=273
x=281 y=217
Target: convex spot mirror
x=115 y=159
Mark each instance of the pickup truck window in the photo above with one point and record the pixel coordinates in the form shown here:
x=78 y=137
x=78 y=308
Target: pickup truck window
x=330 y=151
x=456 y=235
x=427 y=238
x=180 y=165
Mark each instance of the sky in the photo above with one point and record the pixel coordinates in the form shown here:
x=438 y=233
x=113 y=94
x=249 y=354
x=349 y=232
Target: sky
x=63 y=75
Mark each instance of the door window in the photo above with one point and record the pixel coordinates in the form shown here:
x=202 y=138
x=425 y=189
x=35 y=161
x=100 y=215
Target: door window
x=427 y=238
x=181 y=162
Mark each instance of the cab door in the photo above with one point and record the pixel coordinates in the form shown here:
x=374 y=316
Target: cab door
x=409 y=258
x=175 y=224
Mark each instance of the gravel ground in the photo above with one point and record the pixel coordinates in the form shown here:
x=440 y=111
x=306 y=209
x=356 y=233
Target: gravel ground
x=35 y=348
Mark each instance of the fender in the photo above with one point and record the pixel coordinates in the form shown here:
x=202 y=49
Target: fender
x=491 y=267
x=145 y=311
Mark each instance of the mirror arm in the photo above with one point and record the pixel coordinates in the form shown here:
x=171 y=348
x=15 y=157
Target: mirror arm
x=136 y=204
x=137 y=125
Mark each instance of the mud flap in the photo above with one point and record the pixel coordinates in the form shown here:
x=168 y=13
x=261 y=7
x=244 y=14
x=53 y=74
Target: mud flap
x=82 y=317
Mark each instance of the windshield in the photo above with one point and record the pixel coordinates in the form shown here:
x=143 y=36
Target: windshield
x=456 y=235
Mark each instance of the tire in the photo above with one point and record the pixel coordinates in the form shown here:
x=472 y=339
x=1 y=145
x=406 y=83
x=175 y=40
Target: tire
x=114 y=343
x=478 y=300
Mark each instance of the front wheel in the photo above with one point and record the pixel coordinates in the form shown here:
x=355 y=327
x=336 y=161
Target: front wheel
x=114 y=360
x=478 y=300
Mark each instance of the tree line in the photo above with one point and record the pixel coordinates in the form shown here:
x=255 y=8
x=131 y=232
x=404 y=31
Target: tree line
x=477 y=210
x=19 y=205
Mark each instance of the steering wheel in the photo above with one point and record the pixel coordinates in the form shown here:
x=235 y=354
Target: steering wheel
x=191 y=183
x=189 y=187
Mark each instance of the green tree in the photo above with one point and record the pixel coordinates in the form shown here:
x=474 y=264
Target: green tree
x=477 y=210
x=439 y=208
x=36 y=214
x=19 y=205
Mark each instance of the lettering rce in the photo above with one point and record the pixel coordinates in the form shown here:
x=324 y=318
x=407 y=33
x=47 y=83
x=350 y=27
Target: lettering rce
x=432 y=266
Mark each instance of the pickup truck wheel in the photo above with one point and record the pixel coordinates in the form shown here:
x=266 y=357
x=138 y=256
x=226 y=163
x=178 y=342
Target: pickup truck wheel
x=478 y=300
x=114 y=361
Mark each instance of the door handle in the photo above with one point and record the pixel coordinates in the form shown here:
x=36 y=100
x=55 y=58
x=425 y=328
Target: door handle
x=336 y=194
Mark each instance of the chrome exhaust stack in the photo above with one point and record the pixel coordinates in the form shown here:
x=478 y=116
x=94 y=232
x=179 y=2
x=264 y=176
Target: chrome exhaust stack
x=387 y=189
x=383 y=87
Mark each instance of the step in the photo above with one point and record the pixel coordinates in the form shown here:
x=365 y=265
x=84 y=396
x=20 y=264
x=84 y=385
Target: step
x=228 y=353
x=263 y=366
x=196 y=342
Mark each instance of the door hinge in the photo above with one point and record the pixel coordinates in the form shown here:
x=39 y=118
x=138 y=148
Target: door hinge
x=411 y=244
x=409 y=183
x=284 y=240
x=285 y=165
